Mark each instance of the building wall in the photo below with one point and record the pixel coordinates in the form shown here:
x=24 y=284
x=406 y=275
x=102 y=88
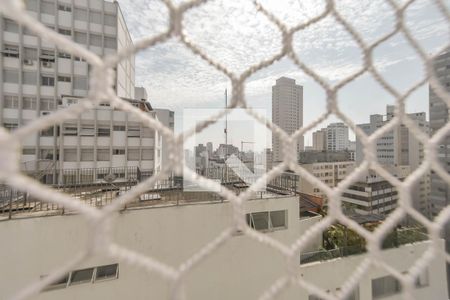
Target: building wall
x=287 y=112
x=37 y=77
x=331 y=173
x=399 y=147
x=320 y=140
x=241 y=269
x=170 y=234
x=167 y=117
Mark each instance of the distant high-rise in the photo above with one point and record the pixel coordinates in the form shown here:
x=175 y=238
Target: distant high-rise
x=287 y=112
x=320 y=140
x=337 y=137
x=209 y=148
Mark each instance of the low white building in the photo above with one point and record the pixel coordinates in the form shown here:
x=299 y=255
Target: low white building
x=241 y=268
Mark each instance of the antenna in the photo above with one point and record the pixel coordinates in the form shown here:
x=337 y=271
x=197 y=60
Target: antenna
x=226 y=126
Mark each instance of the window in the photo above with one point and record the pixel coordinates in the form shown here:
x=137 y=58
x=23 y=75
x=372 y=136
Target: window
x=80 y=37
x=103 y=154
x=119 y=128
x=46 y=154
x=81 y=276
x=47 y=132
x=80 y=83
x=30 y=54
x=107 y=272
x=10 y=25
x=65 y=31
x=11 y=51
x=110 y=42
x=10 y=101
x=95 y=17
x=29 y=103
x=118 y=151
x=133 y=131
x=47 y=104
x=265 y=220
x=47 y=56
x=11 y=76
x=70 y=154
x=148 y=154
x=422 y=280
x=28 y=151
x=10 y=126
x=80 y=14
x=31 y=5
x=29 y=78
x=148 y=132
x=103 y=130
x=64 y=55
x=87 y=155
x=110 y=20
x=87 y=130
x=70 y=130
x=64 y=7
x=385 y=286
x=48 y=7
x=95 y=40
x=60 y=283
x=133 y=154
x=47 y=80
x=64 y=79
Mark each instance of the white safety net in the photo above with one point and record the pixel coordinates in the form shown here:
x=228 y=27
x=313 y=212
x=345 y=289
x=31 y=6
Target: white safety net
x=102 y=91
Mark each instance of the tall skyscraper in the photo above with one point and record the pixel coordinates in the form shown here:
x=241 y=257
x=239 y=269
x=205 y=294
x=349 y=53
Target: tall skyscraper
x=287 y=112
x=337 y=137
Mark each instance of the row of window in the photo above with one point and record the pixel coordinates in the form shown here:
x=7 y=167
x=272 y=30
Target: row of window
x=80 y=14
x=47 y=57
x=103 y=154
x=105 y=130
x=30 y=78
x=384 y=287
x=28 y=102
x=78 y=36
x=267 y=220
x=88 y=275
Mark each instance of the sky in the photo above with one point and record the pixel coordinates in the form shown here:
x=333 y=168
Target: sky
x=236 y=35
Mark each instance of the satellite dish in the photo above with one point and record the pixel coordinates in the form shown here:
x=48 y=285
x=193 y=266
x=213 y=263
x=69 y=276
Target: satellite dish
x=110 y=177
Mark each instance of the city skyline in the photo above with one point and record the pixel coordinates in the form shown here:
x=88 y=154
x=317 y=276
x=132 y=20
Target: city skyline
x=166 y=70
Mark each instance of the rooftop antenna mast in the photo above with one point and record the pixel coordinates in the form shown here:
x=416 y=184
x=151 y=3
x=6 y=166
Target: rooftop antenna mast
x=226 y=125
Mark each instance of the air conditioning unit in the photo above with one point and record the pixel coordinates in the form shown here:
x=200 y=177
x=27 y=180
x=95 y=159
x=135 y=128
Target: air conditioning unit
x=28 y=62
x=47 y=64
x=44 y=113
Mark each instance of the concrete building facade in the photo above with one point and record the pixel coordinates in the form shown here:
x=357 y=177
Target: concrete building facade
x=287 y=112
x=167 y=117
x=320 y=140
x=38 y=78
x=172 y=234
x=399 y=147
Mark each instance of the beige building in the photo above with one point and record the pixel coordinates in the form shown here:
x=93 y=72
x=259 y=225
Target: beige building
x=320 y=140
x=331 y=173
x=287 y=112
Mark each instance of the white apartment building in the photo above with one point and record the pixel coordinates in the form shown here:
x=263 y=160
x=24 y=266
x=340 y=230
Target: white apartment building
x=38 y=78
x=337 y=137
x=287 y=112
x=399 y=147
x=241 y=268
